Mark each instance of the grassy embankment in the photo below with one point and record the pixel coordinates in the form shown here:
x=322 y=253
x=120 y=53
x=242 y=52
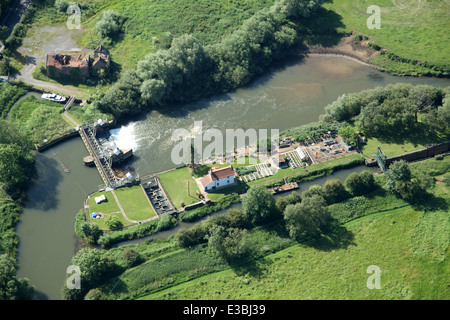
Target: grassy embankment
x=408 y=243
x=416 y=32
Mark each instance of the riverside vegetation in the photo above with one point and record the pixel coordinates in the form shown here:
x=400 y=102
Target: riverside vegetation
x=264 y=236
x=240 y=55
x=328 y=207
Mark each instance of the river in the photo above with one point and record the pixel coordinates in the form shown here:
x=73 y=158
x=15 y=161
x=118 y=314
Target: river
x=287 y=96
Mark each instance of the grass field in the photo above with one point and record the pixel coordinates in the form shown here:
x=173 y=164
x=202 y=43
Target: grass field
x=135 y=203
x=389 y=149
x=411 y=265
x=412 y=29
x=408 y=243
x=148 y=21
x=179 y=186
x=42 y=118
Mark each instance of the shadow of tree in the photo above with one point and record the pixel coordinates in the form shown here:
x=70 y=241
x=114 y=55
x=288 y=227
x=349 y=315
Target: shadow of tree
x=338 y=237
x=321 y=28
x=252 y=267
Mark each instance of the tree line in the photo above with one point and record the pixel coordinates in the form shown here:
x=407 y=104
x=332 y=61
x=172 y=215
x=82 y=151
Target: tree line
x=394 y=110
x=16 y=167
x=188 y=70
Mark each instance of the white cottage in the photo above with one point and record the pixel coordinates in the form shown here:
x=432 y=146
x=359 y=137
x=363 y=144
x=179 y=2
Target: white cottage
x=218 y=177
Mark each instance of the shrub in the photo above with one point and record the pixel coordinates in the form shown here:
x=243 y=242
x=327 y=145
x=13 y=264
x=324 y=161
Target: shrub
x=109 y=24
x=334 y=191
x=61 y=5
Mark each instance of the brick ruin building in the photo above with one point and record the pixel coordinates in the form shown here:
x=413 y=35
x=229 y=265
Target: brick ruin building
x=73 y=65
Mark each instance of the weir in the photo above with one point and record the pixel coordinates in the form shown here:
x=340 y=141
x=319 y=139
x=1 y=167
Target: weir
x=102 y=160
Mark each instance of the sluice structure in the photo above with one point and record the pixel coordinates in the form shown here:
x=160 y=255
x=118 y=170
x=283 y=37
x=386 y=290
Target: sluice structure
x=101 y=159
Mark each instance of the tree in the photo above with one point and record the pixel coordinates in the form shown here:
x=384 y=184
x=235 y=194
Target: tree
x=230 y=244
x=258 y=205
x=124 y=97
x=349 y=135
x=109 y=24
x=399 y=182
x=334 y=191
x=113 y=223
x=91 y=232
x=282 y=202
x=313 y=190
x=93 y=266
x=307 y=218
x=131 y=257
x=360 y=183
x=12 y=288
x=16 y=167
x=61 y=5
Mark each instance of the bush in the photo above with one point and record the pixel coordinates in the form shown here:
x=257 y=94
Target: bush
x=360 y=183
x=109 y=24
x=61 y=5
x=334 y=191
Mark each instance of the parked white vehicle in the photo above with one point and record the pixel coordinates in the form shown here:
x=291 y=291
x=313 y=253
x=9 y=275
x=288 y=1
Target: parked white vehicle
x=53 y=97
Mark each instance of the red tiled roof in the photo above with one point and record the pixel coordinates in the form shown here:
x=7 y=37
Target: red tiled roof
x=206 y=180
x=219 y=173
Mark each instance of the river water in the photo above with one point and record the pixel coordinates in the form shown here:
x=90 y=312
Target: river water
x=287 y=96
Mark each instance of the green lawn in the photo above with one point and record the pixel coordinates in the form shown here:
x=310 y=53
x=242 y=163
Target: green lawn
x=179 y=186
x=411 y=29
x=108 y=207
x=135 y=203
x=389 y=149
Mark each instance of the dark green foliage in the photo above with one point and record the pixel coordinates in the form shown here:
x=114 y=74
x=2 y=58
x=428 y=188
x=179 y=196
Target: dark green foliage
x=314 y=190
x=399 y=181
x=259 y=205
x=113 y=223
x=229 y=244
x=334 y=191
x=12 y=288
x=349 y=135
x=90 y=232
x=188 y=70
x=282 y=202
x=392 y=111
x=308 y=218
x=360 y=183
x=311 y=131
x=94 y=267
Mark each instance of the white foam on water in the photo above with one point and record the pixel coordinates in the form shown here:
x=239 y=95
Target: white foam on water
x=125 y=137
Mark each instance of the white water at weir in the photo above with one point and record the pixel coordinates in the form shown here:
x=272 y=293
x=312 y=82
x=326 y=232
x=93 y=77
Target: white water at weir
x=125 y=137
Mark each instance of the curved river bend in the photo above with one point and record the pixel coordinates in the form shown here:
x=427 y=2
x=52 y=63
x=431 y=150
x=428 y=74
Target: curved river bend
x=285 y=97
